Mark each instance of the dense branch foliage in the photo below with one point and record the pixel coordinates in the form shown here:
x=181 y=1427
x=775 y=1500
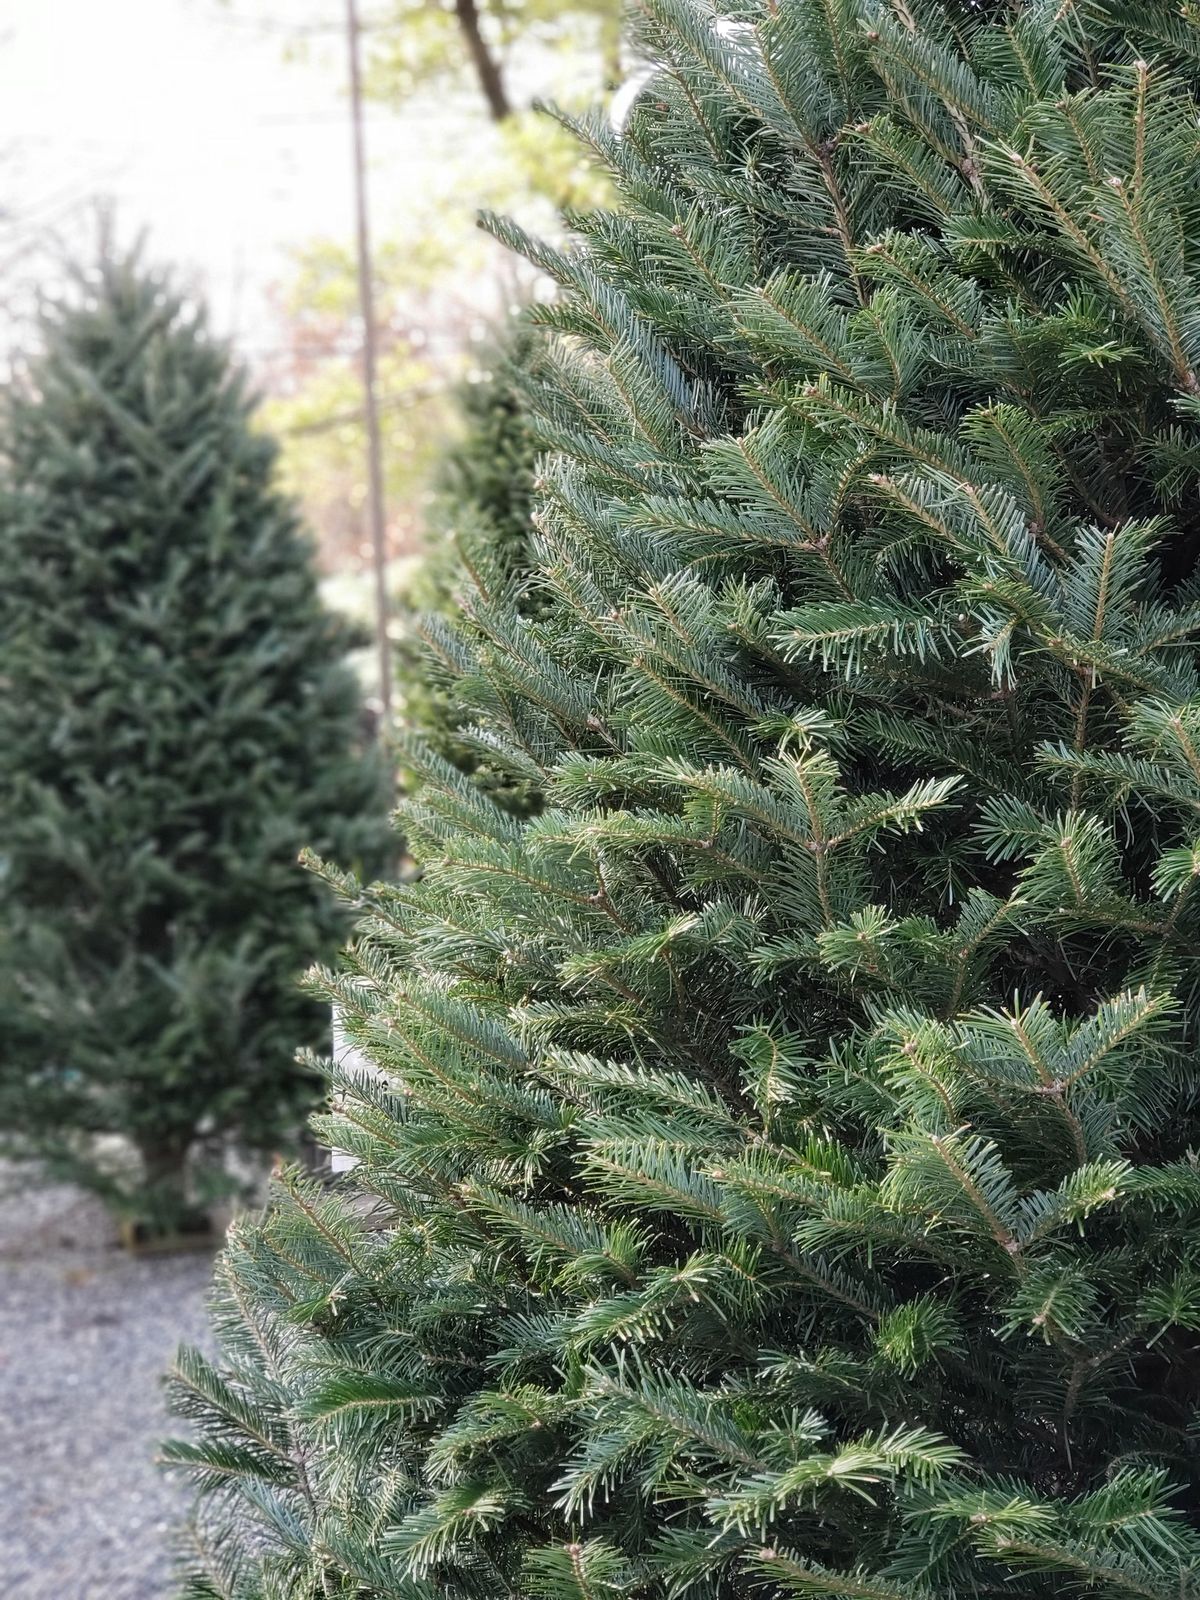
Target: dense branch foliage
x=779 y=1177
x=177 y=721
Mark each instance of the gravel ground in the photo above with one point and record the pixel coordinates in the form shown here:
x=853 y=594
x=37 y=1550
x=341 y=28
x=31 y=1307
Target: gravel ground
x=85 y=1331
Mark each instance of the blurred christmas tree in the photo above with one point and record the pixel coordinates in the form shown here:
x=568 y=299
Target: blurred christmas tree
x=177 y=723
x=780 y=1176
x=479 y=552
x=486 y=479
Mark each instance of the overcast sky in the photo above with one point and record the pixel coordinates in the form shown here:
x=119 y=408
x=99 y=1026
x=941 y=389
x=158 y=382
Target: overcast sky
x=190 y=116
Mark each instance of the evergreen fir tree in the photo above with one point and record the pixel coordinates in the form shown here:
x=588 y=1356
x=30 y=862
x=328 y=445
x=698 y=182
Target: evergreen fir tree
x=177 y=724
x=780 y=1179
x=479 y=547
x=485 y=479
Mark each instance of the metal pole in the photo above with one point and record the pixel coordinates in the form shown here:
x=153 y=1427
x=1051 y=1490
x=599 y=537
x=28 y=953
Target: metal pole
x=366 y=300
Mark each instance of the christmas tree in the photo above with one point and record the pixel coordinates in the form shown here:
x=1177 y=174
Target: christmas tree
x=177 y=724
x=780 y=1175
x=486 y=477
x=479 y=550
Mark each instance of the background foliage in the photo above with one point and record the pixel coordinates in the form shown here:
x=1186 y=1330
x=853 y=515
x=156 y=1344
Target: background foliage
x=479 y=545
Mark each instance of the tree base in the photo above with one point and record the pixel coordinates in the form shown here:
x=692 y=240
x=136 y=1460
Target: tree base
x=143 y=1238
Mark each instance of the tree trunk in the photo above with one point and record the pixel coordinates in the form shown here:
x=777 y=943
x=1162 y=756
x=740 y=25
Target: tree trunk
x=164 y=1176
x=487 y=69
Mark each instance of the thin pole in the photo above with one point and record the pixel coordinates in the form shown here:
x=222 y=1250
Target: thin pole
x=366 y=301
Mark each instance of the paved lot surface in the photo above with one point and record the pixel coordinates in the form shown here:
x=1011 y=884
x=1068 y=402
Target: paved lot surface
x=85 y=1330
